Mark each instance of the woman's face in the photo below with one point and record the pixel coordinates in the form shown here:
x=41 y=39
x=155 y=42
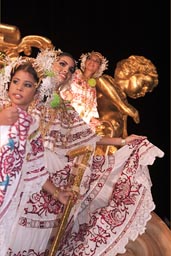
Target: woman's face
x=63 y=67
x=93 y=63
x=22 y=89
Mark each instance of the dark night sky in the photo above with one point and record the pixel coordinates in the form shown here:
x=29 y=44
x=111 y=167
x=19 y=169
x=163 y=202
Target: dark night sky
x=117 y=29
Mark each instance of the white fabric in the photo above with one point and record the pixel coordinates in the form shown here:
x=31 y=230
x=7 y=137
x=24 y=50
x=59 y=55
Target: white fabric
x=117 y=204
x=41 y=212
x=22 y=165
x=82 y=97
x=115 y=194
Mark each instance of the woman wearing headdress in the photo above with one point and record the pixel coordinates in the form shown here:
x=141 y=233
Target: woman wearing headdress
x=35 y=217
x=22 y=165
x=112 y=188
x=82 y=89
x=113 y=191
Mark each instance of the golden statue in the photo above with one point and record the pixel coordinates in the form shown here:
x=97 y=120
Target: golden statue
x=133 y=77
x=12 y=45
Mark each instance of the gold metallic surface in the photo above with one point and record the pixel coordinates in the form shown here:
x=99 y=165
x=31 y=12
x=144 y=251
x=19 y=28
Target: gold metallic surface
x=112 y=92
x=105 y=129
x=133 y=77
x=9 y=34
x=79 y=151
x=82 y=155
x=155 y=241
x=13 y=46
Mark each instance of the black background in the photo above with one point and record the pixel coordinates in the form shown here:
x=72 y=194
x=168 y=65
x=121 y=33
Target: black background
x=117 y=29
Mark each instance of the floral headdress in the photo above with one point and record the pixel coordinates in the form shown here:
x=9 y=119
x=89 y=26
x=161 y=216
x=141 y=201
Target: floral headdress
x=42 y=65
x=45 y=59
x=50 y=82
x=9 y=65
x=103 y=66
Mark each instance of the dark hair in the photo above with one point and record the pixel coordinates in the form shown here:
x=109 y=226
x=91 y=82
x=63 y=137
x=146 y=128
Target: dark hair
x=27 y=67
x=71 y=56
x=67 y=54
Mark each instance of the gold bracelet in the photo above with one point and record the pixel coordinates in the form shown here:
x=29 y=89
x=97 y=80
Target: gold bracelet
x=123 y=142
x=55 y=194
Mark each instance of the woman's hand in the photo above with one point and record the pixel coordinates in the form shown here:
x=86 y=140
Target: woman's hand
x=8 y=116
x=64 y=195
x=131 y=138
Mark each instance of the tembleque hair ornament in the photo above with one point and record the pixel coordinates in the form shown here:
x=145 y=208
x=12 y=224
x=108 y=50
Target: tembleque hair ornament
x=103 y=65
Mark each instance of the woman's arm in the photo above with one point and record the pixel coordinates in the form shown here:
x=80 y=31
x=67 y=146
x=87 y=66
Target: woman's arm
x=118 y=141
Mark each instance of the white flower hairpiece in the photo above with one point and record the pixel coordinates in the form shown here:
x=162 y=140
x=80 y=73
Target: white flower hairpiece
x=42 y=65
x=5 y=74
x=103 y=66
x=45 y=59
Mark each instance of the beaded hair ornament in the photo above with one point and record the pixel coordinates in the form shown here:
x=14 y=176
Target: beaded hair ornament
x=42 y=65
x=8 y=66
x=50 y=83
x=45 y=59
x=103 y=65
